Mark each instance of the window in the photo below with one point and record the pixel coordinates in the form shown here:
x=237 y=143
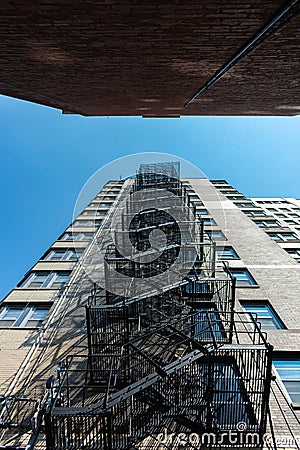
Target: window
x=216 y=235
x=243 y=277
x=288 y=368
x=284 y=209
x=76 y=236
x=219 y=182
x=291 y=222
x=227 y=253
x=293 y=214
x=264 y=314
x=255 y=212
x=87 y=223
x=280 y=215
x=105 y=204
x=63 y=254
x=104 y=196
x=197 y=203
x=283 y=236
x=94 y=212
x=43 y=279
x=233 y=191
x=58 y=280
x=267 y=223
x=266 y=202
x=201 y=211
x=108 y=197
x=31 y=316
x=294 y=252
x=244 y=205
x=272 y=209
x=236 y=197
x=208 y=221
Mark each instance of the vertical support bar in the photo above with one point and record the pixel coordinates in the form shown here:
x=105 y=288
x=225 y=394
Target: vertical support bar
x=109 y=432
x=231 y=325
x=48 y=431
x=214 y=252
x=210 y=391
x=126 y=347
x=107 y=279
x=201 y=240
x=267 y=389
x=89 y=338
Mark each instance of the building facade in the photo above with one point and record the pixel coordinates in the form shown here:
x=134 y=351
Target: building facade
x=110 y=363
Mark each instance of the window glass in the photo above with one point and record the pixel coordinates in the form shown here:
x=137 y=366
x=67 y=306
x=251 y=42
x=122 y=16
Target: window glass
x=289 y=371
x=291 y=222
x=243 y=277
x=216 y=235
x=255 y=212
x=87 y=223
x=75 y=255
x=63 y=254
x=45 y=279
x=56 y=254
x=208 y=221
x=244 y=205
x=227 y=253
x=109 y=197
x=36 y=279
x=60 y=279
x=219 y=182
x=295 y=252
x=264 y=313
x=94 y=212
x=233 y=191
x=283 y=236
x=267 y=223
x=28 y=316
x=9 y=315
x=236 y=197
x=77 y=236
x=36 y=317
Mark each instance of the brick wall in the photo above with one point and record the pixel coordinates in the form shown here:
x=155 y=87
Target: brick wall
x=147 y=58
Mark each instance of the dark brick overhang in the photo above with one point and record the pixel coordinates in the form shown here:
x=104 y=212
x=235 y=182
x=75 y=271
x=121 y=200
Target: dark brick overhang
x=147 y=57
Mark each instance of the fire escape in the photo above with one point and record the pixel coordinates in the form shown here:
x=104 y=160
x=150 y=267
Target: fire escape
x=179 y=360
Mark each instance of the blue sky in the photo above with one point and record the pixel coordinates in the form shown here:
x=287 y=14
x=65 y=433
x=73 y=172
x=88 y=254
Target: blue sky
x=47 y=157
